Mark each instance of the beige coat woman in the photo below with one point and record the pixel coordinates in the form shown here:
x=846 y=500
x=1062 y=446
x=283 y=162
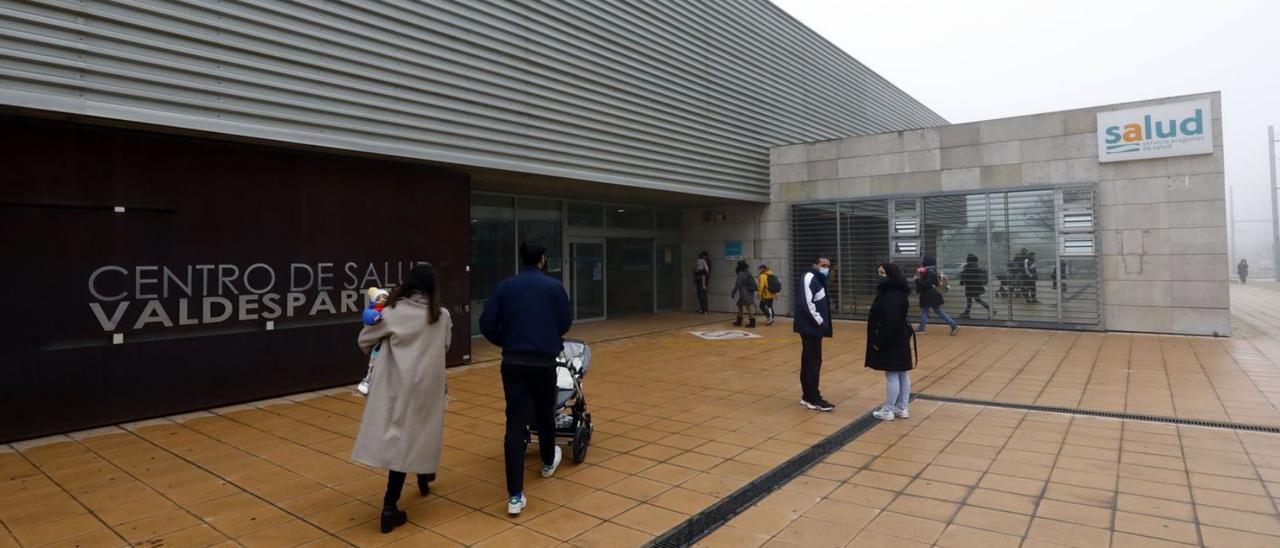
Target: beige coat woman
x=403 y=424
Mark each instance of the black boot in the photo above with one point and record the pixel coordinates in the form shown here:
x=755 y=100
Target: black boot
x=751 y=323
x=424 y=483
x=738 y=322
x=392 y=517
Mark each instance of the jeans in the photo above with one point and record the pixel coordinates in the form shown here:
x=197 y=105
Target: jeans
x=924 y=317
x=702 y=300
x=897 y=388
x=810 y=368
x=766 y=306
x=531 y=394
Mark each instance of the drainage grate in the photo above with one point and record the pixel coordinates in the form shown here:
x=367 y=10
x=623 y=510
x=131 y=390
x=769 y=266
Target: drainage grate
x=702 y=524
x=1108 y=414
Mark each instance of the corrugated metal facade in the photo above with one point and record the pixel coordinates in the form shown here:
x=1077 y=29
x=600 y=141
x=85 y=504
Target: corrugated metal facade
x=671 y=95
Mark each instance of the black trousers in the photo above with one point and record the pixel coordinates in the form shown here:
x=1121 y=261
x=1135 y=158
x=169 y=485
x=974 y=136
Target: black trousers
x=530 y=391
x=766 y=306
x=702 y=300
x=395 y=486
x=810 y=367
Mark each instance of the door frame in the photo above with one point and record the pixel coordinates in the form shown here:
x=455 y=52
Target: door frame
x=572 y=288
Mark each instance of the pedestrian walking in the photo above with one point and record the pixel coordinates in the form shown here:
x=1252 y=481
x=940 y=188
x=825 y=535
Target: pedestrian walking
x=928 y=285
x=1242 y=270
x=770 y=286
x=402 y=429
x=1031 y=276
x=813 y=323
x=528 y=316
x=702 y=280
x=973 y=279
x=744 y=288
x=889 y=338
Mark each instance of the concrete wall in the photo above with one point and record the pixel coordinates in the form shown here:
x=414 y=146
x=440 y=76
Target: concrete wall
x=1161 y=223
x=761 y=228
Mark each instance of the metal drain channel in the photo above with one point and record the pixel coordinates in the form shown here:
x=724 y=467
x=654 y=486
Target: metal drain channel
x=703 y=523
x=1106 y=414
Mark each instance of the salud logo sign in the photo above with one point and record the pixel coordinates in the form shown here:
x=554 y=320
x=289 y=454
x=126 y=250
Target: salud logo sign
x=1157 y=131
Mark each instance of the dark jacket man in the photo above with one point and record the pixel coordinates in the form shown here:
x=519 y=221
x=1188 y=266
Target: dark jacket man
x=813 y=308
x=813 y=323
x=528 y=316
x=973 y=278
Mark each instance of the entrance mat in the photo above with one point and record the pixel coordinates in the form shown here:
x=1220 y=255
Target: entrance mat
x=1106 y=414
x=725 y=335
x=702 y=524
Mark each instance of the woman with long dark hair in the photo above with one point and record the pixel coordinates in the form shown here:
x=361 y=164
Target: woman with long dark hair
x=889 y=337
x=403 y=425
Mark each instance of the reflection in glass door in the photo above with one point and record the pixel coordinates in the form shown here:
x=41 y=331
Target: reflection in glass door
x=586 y=279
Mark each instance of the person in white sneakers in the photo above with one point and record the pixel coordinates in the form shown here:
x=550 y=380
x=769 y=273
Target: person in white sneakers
x=889 y=337
x=527 y=316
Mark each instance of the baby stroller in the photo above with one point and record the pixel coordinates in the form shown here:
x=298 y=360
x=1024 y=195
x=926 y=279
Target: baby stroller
x=573 y=422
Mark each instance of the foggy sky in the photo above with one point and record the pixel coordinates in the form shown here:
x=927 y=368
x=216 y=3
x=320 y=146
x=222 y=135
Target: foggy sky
x=982 y=59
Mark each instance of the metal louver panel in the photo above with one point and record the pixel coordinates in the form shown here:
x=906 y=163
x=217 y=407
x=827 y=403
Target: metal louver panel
x=864 y=244
x=1033 y=270
x=678 y=96
x=813 y=233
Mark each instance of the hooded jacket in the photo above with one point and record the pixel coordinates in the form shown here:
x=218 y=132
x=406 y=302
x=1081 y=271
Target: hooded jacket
x=763 y=282
x=813 y=307
x=973 y=278
x=888 y=333
x=927 y=284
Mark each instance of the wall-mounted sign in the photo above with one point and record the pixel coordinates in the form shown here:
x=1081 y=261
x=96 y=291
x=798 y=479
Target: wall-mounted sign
x=733 y=250
x=159 y=296
x=1156 y=131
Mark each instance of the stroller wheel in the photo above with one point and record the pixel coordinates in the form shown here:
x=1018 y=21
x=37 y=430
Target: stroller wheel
x=581 y=439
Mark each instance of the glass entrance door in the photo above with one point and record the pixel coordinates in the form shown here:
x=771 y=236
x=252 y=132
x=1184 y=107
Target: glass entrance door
x=586 y=279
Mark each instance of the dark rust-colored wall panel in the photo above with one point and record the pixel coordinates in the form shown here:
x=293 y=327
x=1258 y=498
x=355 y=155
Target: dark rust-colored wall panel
x=198 y=208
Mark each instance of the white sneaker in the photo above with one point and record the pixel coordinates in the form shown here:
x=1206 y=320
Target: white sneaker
x=902 y=414
x=547 y=471
x=516 y=504
x=883 y=414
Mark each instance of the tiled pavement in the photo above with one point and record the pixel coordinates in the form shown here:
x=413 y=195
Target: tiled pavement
x=971 y=476
x=682 y=422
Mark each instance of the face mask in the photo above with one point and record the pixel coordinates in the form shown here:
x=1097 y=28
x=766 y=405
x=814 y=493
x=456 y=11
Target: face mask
x=823 y=270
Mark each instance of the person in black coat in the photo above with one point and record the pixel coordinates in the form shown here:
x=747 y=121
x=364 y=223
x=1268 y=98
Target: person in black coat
x=974 y=280
x=927 y=283
x=889 y=337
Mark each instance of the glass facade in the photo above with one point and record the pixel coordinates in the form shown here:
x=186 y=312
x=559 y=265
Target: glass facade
x=493 y=248
x=623 y=259
x=1035 y=249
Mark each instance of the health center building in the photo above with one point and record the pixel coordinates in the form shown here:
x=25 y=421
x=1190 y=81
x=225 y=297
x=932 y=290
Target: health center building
x=196 y=195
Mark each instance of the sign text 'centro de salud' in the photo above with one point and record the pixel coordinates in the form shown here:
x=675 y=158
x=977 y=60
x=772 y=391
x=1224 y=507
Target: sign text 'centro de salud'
x=153 y=296
x=1156 y=131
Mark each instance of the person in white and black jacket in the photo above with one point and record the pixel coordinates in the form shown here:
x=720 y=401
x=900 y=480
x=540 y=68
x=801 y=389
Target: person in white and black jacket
x=813 y=323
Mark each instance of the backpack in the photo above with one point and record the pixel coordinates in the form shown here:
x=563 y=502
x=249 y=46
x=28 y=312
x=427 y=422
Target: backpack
x=774 y=284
